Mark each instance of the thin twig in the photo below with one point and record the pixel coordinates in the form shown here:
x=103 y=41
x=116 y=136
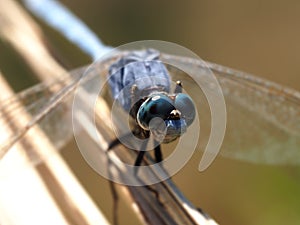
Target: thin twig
x=18 y=29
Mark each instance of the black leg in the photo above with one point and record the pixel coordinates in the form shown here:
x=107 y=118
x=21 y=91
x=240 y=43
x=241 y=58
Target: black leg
x=115 y=202
x=138 y=162
x=114 y=194
x=178 y=88
x=157 y=152
x=140 y=156
x=113 y=144
x=117 y=141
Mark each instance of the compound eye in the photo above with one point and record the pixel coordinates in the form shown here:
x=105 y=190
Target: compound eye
x=156 y=106
x=186 y=106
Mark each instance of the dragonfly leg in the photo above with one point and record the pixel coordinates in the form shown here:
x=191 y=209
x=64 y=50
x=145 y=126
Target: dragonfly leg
x=157 y=152
x=114 y=193
x=115 y=204
x=140 y=156
x=113 y=144
x=138 y=132
x=138 y=162
x=178 y=88
x=118 y=141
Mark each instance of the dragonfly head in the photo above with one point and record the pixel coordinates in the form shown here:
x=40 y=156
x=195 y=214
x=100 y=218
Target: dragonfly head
x=166 y=116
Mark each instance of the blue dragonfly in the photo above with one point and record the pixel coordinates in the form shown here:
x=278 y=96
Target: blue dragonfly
x=142 y=85
x=263 y=118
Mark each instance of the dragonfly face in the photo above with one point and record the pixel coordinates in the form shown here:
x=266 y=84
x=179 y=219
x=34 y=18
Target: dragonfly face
x=166 y=116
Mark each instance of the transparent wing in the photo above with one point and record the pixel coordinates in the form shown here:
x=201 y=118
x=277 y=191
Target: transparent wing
x=48 y=104
x=263 y=118
x=33 y=102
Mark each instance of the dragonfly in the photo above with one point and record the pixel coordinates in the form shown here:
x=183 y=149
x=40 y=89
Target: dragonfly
x=145 y=86
x=263 y=118
x=263 y=124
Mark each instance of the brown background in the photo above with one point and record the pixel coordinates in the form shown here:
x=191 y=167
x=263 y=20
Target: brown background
x=260 y=37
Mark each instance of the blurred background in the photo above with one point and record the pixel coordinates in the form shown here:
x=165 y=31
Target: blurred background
x=259 y=37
